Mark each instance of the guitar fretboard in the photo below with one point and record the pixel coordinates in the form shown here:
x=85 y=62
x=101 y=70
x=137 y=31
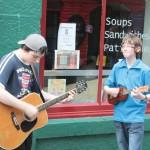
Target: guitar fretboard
x=53 y=101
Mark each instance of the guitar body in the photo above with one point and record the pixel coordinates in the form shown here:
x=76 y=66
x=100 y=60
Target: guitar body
x=14 y=129
x=14 y=126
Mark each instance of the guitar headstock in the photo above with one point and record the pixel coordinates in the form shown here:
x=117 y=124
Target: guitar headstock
x=143 y=88
x=81 y=86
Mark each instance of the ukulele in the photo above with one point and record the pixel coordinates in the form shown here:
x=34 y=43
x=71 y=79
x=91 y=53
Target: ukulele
x=15 y=126
x=123 y=94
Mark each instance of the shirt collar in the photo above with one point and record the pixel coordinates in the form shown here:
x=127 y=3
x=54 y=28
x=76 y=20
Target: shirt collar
x=137 y=64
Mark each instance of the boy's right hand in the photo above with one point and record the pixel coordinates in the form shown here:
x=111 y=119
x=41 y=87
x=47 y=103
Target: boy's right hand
x=31 y=112
x=114 y=92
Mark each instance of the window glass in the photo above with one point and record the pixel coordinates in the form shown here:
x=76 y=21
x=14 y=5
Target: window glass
x=63 y=68
x=122 y=17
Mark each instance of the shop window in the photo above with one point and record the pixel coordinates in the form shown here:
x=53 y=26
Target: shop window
x=122 y=17
x=99 y=49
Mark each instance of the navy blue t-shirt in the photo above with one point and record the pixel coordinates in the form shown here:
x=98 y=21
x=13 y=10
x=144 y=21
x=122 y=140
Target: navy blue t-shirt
x=17 y=77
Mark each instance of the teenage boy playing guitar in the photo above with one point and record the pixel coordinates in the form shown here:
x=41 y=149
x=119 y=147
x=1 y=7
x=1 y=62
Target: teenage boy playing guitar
x=129 y=73
x=17 y=78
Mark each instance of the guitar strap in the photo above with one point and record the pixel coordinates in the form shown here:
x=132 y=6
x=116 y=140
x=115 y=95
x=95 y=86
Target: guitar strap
x=36 y=82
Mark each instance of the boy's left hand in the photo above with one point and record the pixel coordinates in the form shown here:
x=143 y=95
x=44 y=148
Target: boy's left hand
x=137 y=94
x=70 y=97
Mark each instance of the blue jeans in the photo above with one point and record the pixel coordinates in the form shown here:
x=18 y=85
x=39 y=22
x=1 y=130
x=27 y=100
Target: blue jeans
x=129 y=135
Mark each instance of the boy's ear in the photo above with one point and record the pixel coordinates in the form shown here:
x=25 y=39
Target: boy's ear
x=138 y=49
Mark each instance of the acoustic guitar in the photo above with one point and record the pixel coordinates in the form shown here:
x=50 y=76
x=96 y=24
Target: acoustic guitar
x=15 y=127
x=123 y=94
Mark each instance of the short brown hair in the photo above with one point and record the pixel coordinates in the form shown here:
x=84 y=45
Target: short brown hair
x=133 y=39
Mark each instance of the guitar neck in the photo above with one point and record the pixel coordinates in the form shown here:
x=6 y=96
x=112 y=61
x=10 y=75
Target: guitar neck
x=53 y=101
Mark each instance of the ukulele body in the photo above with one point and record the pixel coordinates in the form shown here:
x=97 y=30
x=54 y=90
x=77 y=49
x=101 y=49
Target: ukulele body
x=122 y=96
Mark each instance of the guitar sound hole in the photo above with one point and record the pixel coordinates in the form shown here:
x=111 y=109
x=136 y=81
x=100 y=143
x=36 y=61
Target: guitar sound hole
x=28 y=125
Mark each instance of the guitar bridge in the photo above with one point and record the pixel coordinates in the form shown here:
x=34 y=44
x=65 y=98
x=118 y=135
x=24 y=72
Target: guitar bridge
x=15 y=121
